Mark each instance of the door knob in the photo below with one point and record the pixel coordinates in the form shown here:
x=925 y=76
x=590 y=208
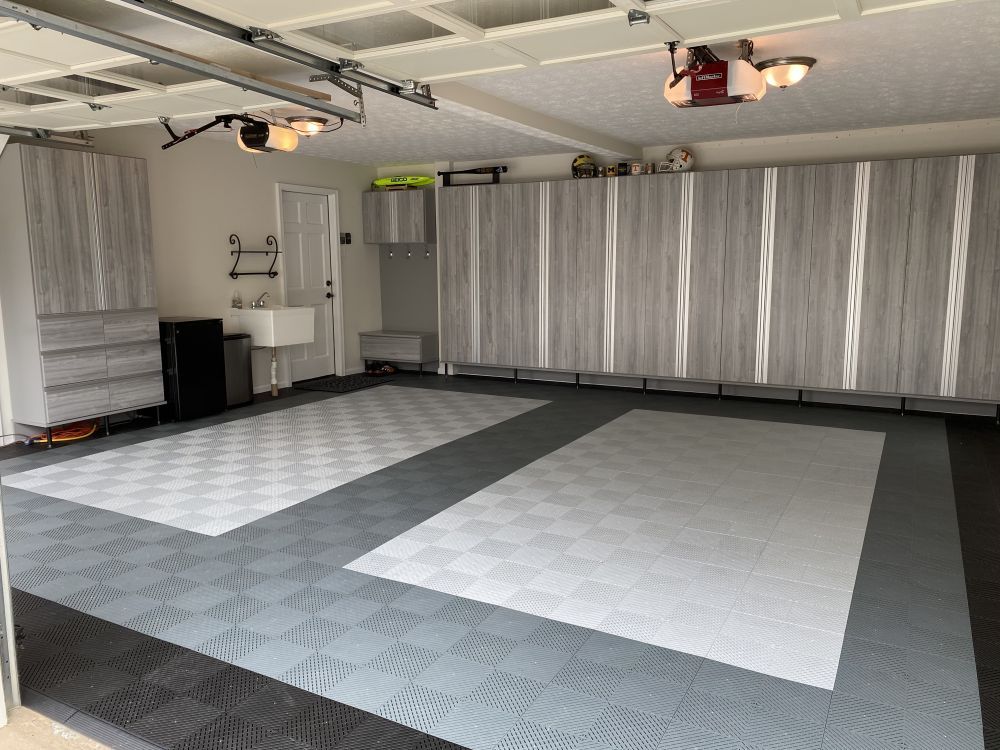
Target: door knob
x=329 y=283
x=329 y=296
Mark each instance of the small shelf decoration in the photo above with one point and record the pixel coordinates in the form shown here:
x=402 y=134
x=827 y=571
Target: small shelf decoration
x=239 y=252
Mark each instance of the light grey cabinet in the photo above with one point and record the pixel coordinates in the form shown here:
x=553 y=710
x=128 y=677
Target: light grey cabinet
x=978 y=351
x=881 y=305
x=880 y=277
x=398 y=217
x=526 y=249
x=563 y=211
x=125 y=235
x=833 y=225
x=494 y=216
x=639 y=278
x=456 y=274
x=705 y=283
x=77 y=290
x=788 y=307
x=744 y=222
x=58 y=198
x=928 y=265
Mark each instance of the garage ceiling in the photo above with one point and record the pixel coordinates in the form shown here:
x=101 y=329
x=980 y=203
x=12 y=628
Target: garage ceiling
x=521 y=77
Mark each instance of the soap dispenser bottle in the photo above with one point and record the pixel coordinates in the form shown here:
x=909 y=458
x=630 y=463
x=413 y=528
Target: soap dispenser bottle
x=237 y=300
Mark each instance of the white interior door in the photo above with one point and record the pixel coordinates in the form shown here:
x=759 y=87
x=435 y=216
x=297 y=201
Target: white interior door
x=309 y=277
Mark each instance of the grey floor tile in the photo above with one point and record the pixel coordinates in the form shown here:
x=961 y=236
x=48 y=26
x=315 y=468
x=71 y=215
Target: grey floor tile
x=565 y=710
x=474 y=725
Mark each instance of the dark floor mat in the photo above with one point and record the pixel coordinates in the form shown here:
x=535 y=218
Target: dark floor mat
x=342 y=384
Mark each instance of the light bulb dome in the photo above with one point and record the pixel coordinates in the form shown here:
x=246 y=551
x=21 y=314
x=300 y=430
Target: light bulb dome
x=785 y=71
x=307 y=124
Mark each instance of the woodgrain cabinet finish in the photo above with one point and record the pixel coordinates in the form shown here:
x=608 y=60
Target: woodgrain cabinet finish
x=928 y=265
x=77 y=282
x=125 y=235
x=978 y=366
x=881 y=306
x=706 y=275
x=744 y=222
x=879 y=277
x=398 y=216
x=58 y=190
x=132 y=393
x=456 y=250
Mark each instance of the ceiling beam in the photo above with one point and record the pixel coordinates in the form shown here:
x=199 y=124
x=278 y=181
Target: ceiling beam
x=554 y=128
x=272 y=44
x=169 y=57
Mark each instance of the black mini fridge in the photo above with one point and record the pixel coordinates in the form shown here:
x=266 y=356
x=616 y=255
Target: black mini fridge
x=194 y=367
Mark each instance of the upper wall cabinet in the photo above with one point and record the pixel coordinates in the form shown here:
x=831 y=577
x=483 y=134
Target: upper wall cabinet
x=89 y=231
x=399 y=217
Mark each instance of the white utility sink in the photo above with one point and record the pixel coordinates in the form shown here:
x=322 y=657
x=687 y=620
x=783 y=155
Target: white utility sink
x=278 y=326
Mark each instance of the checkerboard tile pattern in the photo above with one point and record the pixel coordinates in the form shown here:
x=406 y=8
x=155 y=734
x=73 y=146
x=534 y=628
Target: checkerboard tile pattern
x=731 y=539
x=218 y=478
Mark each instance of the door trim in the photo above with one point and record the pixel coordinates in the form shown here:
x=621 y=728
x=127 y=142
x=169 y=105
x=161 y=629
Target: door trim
x=333 y=214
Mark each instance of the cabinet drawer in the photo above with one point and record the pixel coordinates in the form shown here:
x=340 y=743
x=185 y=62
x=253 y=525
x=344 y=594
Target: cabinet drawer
x=77 y=401
x=70 y=332
x=135 y=392
x=134 y=359
x=63 y=368
x=135 y=325
x=400 y=349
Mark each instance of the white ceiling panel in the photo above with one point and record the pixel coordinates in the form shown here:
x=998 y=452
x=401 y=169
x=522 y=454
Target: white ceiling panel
x=290 y=13
x=58 y=48
x=52 y=120
x=446 y=62
x=14 y=69
x=712 y=21
x=110 y=116
x=612 y=36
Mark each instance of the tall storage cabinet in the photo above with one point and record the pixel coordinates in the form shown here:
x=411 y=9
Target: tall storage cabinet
x=78 y=294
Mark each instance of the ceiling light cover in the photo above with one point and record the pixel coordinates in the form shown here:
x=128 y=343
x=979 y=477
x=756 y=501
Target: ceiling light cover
x=785 y=71
x=307 y=125
x=259 y=137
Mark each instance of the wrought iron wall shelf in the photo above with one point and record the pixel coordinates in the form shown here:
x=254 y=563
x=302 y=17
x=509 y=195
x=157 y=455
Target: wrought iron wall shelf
x=239 y=252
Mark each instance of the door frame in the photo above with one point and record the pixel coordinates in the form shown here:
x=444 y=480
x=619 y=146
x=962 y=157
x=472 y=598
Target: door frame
x=333 y=224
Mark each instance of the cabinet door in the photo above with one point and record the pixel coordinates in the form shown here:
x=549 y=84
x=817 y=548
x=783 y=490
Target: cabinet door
x=564 y=254
x=877 y=367
x=526 y=254
x=789 y=276
x=591 y=292
x=705 y=275
x=58 y=187
x=376 y=218
x=409 y=213
x=830 y=275
x=125 y=235
x=659 y=275
x=455 y=270
x=978 y=368
x=928 y=266
x=744 y=220
x=633 y=269
x=494 y=213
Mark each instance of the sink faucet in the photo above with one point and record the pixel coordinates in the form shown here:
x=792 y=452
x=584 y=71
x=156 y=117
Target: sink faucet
x=261 y=301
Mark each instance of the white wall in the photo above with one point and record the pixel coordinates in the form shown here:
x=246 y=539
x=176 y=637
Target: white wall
x=205 y=189
x=935 y=139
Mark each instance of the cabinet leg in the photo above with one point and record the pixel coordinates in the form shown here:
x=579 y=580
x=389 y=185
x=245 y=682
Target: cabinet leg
x=998 y=414
x=799 y=401
x=515 y=375
x=158 y=422
x=48 y=438
x=421 y=365
x=902 y=406
x=578 y=381
x=274 y=371
x=718 y=394
x=644 y=386
x=107 y=426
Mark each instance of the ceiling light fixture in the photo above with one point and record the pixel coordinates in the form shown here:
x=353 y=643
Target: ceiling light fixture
x=637 y=17
x=785 y=71
x=260 y=137
x=307 y=125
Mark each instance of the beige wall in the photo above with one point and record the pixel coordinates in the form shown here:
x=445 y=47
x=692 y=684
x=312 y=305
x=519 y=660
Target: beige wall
x=205 y=189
